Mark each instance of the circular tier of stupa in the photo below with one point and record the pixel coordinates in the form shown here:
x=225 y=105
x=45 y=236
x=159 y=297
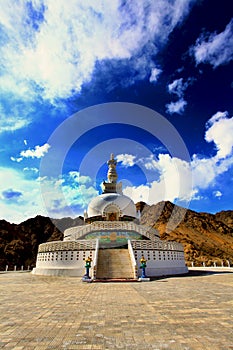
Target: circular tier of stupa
x=112 y=239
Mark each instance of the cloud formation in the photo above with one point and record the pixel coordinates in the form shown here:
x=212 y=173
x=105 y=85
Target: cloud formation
x=178 y=87
x=175 y=174
x=80 y=179
x=220 y=131
x=27 y=200
x=52 y=47
x=68 y=195
x=155 y=73
x=217 y=194
x=28 y=204
x=127 y=160
x=38 y=152
x=215 y=49
x=11 y=121
x=176 y=107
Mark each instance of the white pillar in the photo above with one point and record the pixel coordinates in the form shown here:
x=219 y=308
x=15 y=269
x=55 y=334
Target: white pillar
x=15 y=267
x=6 y=267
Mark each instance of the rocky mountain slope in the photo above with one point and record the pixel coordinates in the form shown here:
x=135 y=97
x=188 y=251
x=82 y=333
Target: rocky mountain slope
x=206 y=237
x=19 y=243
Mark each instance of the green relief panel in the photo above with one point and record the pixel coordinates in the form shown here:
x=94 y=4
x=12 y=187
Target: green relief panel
x=114 y=236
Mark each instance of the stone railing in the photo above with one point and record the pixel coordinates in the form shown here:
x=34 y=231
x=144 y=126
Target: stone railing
x=68 y=245
x=153 y=245
x=133 y=260
x=77 y=232
x=95 y=260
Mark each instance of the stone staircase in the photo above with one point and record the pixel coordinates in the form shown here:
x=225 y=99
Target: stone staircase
x=114 y=264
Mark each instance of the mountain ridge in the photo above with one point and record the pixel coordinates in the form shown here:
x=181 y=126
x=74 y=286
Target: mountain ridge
x=207 y=238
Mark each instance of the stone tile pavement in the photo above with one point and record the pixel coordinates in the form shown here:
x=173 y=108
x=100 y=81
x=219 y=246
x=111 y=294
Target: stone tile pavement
x=191 y=313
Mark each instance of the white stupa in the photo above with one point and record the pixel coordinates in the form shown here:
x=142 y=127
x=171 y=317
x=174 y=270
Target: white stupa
x=113 y=239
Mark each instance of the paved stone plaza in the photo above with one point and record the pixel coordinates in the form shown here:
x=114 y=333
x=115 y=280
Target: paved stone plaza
x=192 y=312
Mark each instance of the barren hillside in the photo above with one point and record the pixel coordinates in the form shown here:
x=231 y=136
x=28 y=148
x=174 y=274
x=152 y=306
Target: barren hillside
x=206 y=237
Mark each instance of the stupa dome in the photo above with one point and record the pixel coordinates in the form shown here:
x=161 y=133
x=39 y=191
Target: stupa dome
x=112 y=206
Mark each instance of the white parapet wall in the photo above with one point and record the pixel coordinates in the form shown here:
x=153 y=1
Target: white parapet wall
x=64 y=258
x=163 y=258
x=67 y=258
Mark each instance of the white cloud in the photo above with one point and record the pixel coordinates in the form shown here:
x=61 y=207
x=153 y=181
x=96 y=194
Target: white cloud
x=149 y=163
x=11 y=121
x=216 y=117
x=79 y=197
x=80 y=179
x=217 y=194
x=21 y=196
x=177 y=87
x=28 y=204
x=67 y=196
x=204 y=171
x=178 y=180
x=18 y=160
x=174 y=180
x=38 y=152
x=155 y=72
x=56 y=52
x=32 y=170
x=217 y=49
x=220 y=131
x=176 y=107
x=138 y=193
x=127 y=160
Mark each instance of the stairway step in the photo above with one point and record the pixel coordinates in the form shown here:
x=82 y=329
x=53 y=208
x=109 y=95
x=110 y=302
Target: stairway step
x=114 y=264
x=115 y=280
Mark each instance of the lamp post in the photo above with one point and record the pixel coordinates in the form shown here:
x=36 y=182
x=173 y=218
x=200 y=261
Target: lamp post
x=87 y=266
x=143 y=266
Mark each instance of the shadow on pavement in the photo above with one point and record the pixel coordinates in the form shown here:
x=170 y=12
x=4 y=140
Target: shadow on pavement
x=192 y=273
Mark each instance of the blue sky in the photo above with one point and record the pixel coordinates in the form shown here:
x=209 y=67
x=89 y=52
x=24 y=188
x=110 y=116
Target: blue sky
x=150 y=81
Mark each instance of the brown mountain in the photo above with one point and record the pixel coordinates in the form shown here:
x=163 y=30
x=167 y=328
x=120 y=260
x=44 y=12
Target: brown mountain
x=19 y=243
x=206 y=237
